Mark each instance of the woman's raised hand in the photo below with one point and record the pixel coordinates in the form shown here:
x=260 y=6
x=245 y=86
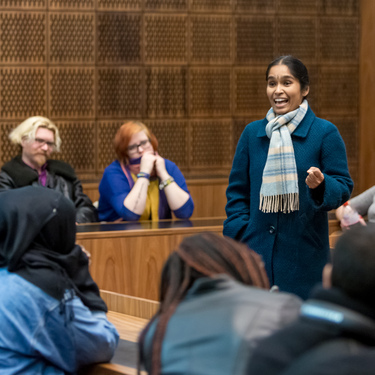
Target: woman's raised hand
x=161 y=171
x=315 y=177
x=147 y=162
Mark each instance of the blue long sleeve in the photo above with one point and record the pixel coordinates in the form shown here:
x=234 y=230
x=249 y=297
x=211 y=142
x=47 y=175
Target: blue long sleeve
x=40 y=334
x=114 y=187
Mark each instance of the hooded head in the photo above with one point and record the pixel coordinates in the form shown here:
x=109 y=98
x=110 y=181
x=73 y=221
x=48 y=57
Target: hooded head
x=37 y=241
x=34 y=217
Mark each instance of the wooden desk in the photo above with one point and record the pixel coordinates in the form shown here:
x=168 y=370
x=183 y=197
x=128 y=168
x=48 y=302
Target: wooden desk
x=124 y=361
x=127 y=258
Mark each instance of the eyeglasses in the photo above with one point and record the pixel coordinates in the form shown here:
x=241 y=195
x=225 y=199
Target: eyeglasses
x=41 y=142
x=134 y=148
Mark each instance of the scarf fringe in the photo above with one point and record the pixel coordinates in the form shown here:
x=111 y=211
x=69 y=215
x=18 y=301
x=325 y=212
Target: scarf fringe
x=285 y=203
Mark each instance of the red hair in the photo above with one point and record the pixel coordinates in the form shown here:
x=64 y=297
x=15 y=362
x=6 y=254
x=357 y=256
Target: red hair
x=124 y=134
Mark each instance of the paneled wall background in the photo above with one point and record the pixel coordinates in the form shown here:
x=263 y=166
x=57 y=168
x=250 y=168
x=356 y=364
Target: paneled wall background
x=193 y=70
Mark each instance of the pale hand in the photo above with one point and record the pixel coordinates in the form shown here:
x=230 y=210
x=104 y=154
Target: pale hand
x=88 y=254
x=147 y=162
x=161 y=171
x=315 y=177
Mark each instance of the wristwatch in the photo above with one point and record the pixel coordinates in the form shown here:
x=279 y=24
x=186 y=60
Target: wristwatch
x=165 y=183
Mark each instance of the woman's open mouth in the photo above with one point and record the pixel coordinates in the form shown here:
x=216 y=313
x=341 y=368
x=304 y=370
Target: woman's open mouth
x=280 y=101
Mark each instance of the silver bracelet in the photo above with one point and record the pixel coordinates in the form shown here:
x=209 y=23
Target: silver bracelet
x=165 y=183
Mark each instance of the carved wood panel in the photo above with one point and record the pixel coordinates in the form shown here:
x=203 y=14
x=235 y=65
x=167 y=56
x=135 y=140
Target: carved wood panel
x=193 y=70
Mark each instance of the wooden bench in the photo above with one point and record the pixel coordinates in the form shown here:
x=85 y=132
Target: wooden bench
x=129 y=327
x=124 y=361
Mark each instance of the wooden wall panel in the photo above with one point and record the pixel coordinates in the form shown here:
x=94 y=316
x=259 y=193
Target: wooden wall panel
x=255 y=6
x=212 y=146
x=119 y=92
x=82 y=154
x=23 y=92
x=166 y=92
x=129 y=263
x=210 y=92
x=24 y=4
x=298 y=35
x=119 y=38
x=367 y=95
x=260 y=47
x=172 y=138
x=72 y=92
x=216 y=46
x=119 y=4
x=71 y=38
x=191 y=69
x=208 y=196
x=249 y=98
x=165 y=38
x=23 y=37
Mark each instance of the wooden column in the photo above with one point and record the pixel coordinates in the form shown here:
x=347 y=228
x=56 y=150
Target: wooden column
x=367 y=96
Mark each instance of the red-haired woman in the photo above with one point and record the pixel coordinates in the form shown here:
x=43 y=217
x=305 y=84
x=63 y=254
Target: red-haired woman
x=141 y=185
x=214 y=308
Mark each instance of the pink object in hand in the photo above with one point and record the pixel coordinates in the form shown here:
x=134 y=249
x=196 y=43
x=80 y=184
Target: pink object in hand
x=350 y=216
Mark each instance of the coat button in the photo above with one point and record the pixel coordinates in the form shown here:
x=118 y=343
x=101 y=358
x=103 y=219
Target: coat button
x=272 y=229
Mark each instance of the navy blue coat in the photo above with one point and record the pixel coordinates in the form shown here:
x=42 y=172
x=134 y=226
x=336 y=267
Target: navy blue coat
x=294 y=246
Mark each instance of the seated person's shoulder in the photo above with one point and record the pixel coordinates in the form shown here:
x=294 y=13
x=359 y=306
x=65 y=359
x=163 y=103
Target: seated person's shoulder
x=29 y=299
x=113 y=167
x=61 y=168
x=277 y=300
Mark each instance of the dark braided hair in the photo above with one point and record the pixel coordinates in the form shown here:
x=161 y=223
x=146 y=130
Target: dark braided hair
x=202 y=255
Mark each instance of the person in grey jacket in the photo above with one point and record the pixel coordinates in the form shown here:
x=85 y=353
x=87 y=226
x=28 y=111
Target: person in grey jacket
x=214 y=308
x=39 y=138
x=363 y=203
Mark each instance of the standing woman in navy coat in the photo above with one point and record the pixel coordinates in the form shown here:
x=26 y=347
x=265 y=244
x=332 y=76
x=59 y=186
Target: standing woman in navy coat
x=289 y=169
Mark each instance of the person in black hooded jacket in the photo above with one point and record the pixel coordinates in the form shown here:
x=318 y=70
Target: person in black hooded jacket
x=39 y=138
x=335 y=333
x=52 y=318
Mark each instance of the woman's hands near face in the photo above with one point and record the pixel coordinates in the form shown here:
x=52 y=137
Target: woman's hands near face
x=150 y=160
x=315 y=177
x=147 y=162
x=161 y=171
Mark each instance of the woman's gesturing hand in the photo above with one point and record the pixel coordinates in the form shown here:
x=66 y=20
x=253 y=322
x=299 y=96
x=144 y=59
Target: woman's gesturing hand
x=315 y=177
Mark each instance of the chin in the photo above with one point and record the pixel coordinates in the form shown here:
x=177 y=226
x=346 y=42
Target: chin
x=280 y=112
x=41 y=160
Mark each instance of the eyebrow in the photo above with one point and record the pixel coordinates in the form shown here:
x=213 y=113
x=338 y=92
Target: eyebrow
x=286 y=76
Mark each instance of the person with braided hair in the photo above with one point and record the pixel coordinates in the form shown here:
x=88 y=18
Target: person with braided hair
x=214 y=307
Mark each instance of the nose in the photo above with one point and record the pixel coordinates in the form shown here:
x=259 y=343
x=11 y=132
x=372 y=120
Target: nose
x=140 y=149
x=45 y=147
x=278 y=88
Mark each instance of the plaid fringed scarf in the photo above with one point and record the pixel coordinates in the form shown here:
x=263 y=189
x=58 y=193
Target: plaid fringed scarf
x=279 y=191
